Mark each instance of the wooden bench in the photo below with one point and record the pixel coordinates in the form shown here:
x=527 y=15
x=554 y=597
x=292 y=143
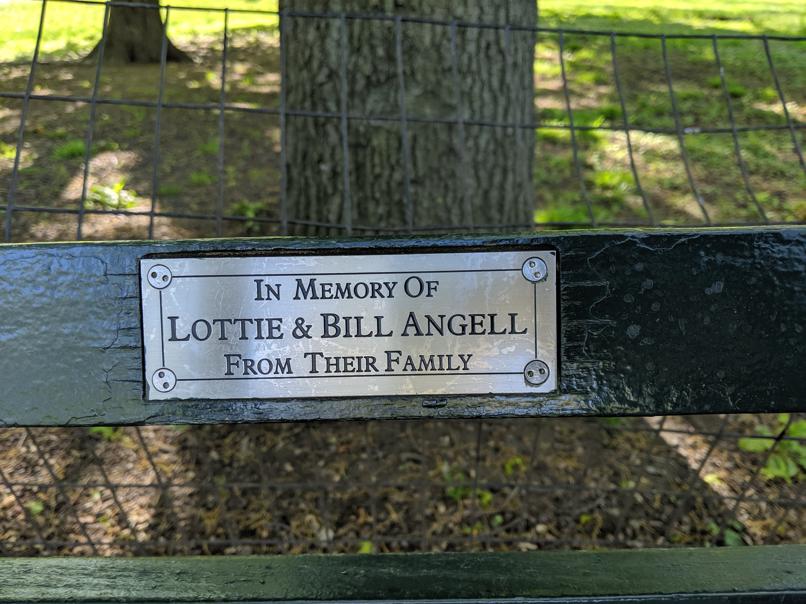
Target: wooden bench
x=731 y=341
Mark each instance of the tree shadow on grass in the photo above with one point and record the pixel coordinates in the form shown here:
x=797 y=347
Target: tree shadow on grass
x=193 y=185
x=190 y=139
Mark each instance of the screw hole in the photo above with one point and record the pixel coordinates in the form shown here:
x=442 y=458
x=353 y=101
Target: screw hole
x=165 y=385
x=161 y=374
x=153 y=274
x=530 y=373
x=165 y=277
x=532 y=263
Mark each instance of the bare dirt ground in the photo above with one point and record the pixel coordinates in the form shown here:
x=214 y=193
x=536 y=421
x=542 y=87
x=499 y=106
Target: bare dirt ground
x=391 y=486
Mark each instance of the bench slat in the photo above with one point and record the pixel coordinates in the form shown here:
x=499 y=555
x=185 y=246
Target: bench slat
x=652 y=322
x=736 y=574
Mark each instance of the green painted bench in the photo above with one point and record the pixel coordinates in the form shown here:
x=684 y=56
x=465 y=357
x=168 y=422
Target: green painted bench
x=71 y=355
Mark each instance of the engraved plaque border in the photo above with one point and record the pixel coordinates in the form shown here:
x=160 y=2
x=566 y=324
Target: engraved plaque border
x=159 y=388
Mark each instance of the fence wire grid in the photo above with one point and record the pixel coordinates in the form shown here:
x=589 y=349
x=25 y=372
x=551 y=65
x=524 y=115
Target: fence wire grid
x=629 y=129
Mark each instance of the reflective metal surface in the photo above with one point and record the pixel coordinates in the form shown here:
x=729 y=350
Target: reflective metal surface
x=345 y=326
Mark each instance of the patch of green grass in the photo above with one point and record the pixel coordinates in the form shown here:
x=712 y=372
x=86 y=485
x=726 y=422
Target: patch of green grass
x=561 y=213
x=137 y=113
x=201 y=178
x=57 y=133
x=735 y=89
x=72 y=30
x=107 y=433
x=553 y=135
x=714 y=16
x=774 y=171
x=70 y=150
x=613 y=180
x=210 y=147
x=74 y=148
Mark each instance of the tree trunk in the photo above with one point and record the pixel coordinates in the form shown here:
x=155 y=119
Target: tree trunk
x=442 y=169
x=134 y=35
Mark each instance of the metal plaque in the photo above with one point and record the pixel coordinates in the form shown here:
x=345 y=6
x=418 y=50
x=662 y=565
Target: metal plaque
x=274 y=327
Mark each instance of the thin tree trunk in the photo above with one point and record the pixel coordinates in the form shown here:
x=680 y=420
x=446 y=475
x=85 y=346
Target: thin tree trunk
x=134 y=35
x=451 y=172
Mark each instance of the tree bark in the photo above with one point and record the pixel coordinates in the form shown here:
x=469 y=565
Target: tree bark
x=440 y=169
x=134 y=35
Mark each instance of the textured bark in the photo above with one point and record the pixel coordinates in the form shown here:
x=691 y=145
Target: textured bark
x=458 y=174
x=134 y=35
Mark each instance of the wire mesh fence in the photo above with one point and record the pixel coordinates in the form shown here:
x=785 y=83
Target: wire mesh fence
x=670 y=98
x=400 y=486
x=628 y=129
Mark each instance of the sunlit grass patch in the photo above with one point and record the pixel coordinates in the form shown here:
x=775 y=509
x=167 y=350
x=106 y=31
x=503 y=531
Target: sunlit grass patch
x=72 y=30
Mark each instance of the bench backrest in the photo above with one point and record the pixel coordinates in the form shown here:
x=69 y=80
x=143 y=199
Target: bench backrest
x=704 y=321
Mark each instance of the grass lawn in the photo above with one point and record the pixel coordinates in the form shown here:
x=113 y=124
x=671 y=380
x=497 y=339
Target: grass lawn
x=71 y=30
x=679 y=16
x=599 y=184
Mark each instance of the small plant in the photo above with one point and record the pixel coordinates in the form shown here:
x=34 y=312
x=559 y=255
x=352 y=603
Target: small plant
x=459 y=489
x=473 y=530
x=116 y=197
x=788 y=460
x=732 y=534
x=514 y=465
x=366 y=547
x=249 y=210
x=35 y=507
x=485 y=498
x=70 y=150
x=456 y=480
x=107 y=433
x=7 y=151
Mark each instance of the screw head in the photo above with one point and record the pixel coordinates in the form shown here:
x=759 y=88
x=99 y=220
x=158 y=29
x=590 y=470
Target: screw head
x=535 y=270
x=536 y=372
x=163 y=380
x=159 y=276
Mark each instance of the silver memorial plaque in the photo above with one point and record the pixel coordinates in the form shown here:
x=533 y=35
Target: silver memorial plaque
x=274 y=327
